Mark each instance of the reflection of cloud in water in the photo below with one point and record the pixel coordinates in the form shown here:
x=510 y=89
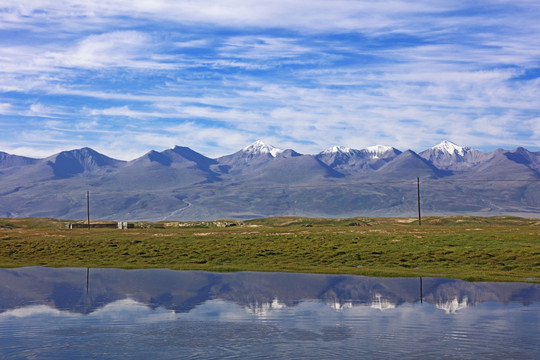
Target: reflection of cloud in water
x=115 y=311
x=218 y=309
x=35 y=310
x=132 y=309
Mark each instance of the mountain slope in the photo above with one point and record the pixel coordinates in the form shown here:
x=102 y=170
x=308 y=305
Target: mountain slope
x=8 y=160
x=70 y=163
x=408 y=165
x=295 y=170
x=261 y=180
x=517 y=164
x=76 y=164
x=176 y=167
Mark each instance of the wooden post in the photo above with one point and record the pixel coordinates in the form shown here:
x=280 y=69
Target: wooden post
x=88 y=207
x=418 y=191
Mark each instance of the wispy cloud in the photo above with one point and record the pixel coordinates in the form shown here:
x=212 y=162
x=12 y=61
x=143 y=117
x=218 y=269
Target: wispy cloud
x=4 y=108
x=131 y=49
x=127 y=76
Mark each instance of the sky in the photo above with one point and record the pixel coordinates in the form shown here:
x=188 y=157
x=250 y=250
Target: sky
x=128 y=76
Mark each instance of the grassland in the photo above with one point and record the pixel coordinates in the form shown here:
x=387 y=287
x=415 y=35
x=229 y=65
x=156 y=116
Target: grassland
x=469 y=248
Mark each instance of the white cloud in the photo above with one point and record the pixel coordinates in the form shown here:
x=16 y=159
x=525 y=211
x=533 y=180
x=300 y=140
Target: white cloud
x=313 y=15
x=200 y=43
x=290 y=115
x=122 y=111
x=4 y=108
x=210 y=141
x=43 y=111
x=262 y=47
x=131 y=49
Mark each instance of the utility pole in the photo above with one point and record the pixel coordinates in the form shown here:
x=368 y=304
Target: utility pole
x=421 y=292
x=418 y=191
x=88 y=207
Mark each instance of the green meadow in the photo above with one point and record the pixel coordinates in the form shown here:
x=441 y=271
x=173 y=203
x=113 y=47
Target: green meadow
x=463 y=247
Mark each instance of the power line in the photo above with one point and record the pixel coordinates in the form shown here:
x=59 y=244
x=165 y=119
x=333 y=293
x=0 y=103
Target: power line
x=238 y=186
x=478 y=180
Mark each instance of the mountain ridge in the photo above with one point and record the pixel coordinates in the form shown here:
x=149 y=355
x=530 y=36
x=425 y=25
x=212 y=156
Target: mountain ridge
x=257 y=148
x=261 y=180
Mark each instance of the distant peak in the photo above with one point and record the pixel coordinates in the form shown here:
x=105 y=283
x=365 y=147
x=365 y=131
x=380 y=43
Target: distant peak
x=451 y=148
x=337 y=150
x=177 y=148
x=259 y=147
x=379 y=149
x=83 y=150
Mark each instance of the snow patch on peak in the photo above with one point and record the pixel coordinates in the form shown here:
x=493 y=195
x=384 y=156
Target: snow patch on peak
x=259 y=147
x=337 y=150
x=451 y=148
x=377 y=150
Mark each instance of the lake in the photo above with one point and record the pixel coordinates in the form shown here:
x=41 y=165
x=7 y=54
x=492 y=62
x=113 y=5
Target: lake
x=76 y=313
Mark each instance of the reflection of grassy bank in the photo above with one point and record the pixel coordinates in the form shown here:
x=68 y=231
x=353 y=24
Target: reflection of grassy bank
x=470 y=248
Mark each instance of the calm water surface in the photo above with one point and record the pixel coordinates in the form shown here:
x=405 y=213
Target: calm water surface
x=162 y=314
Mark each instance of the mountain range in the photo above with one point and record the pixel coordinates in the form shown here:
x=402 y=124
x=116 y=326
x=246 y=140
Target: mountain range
x=261 y=180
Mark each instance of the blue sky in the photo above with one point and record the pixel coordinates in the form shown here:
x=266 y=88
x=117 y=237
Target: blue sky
x=125 y=77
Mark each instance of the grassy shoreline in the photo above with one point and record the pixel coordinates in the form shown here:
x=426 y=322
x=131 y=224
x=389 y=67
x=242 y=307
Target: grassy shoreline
x=468 y=248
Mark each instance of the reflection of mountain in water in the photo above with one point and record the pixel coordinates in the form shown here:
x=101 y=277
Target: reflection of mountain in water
x=337 y=305
x=381 y=303
x=262 y=309
x=452 y=306
x=259 y=293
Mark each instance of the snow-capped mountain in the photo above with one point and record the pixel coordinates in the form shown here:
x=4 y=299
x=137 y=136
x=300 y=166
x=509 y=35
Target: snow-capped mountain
x=451 y=148
x=349 y=160
x=449 y=156
x=250 y=158
x=336 y=156
x=372 y=152
x=381 y=151
x=262 y=180
x=337 y=150
x=259 y=147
